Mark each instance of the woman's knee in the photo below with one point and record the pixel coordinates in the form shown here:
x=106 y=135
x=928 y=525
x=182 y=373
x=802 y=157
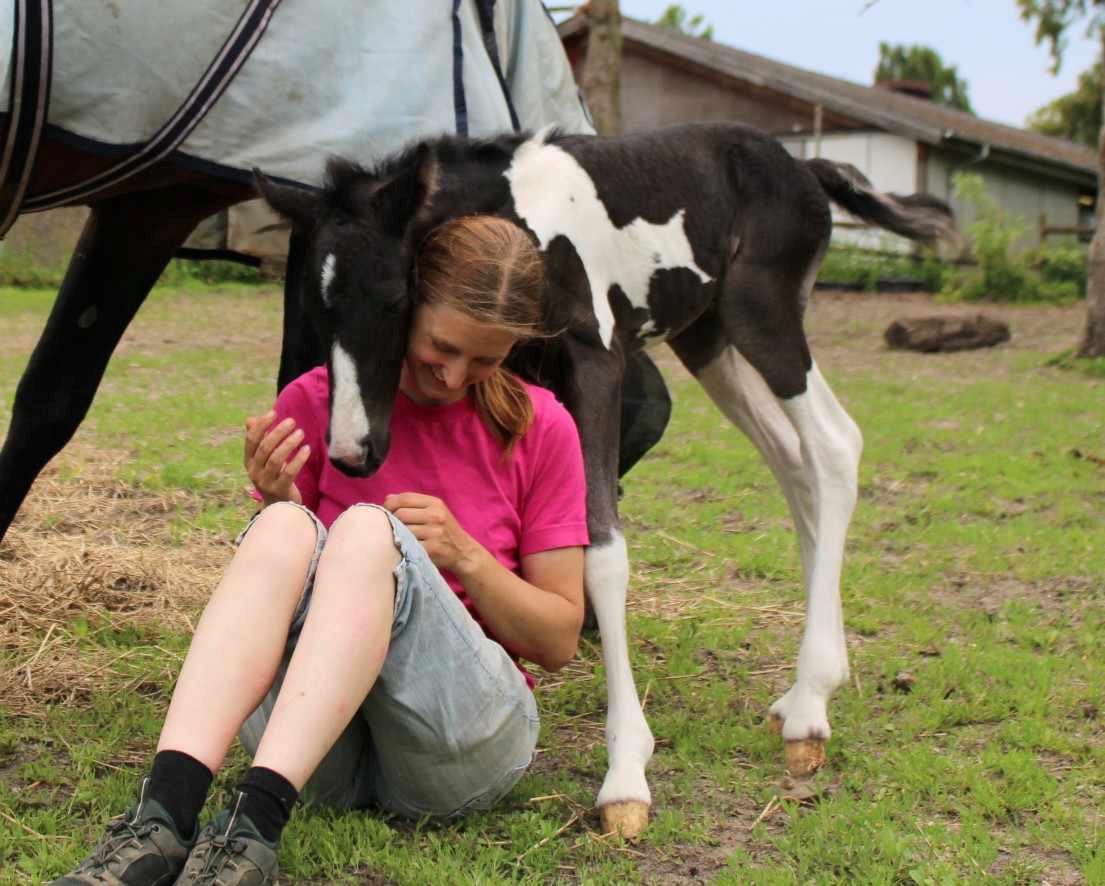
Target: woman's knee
x=367 y=531
x=283 y=532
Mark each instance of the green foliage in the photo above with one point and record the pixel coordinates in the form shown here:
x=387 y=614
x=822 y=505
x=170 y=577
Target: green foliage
x=20 y=270
x=1054 y=274
x=675 y=18
x=1062 y=263
x=901 y=62
x=1076 y=115
x=867 y=270
x=182 y=272
x=1054 y=17
x=1093 y=367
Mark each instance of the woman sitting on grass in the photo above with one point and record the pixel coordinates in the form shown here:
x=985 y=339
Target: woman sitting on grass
x=364 y=638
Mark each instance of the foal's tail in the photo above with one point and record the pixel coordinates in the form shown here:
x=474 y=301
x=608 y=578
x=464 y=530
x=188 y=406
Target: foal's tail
x=919 y=217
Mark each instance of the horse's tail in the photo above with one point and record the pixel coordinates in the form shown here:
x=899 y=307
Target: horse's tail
x=919 y=217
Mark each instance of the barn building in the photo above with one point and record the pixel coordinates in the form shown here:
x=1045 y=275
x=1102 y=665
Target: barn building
x=903 y=142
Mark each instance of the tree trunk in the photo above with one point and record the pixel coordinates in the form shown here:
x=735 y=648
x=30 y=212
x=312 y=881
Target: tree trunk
x=1093 y=340
x=602 y=66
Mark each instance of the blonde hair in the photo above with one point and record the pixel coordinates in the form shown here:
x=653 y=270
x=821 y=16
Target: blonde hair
x=488 y=269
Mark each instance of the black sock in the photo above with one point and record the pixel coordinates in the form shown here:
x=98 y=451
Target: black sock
x=268 y=802
x=179 y=782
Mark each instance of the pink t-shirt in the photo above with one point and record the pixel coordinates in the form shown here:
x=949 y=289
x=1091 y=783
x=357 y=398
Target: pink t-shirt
x=534 y=501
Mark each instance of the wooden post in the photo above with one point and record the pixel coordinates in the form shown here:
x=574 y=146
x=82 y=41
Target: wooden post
x=602 y=66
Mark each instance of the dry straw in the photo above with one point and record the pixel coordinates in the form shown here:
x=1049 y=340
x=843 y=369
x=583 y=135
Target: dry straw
x=91 y=551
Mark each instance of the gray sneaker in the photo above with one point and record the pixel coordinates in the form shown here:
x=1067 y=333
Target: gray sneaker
x=141 y=848
x=230 y=852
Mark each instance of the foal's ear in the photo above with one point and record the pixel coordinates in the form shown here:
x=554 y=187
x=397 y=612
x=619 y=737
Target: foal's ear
x=399 y=201
x=298 y=205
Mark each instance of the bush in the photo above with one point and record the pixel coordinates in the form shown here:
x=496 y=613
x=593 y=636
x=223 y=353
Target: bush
x=1063 y=263
x=1051 y=274
x=182 y=272
x=863 y=269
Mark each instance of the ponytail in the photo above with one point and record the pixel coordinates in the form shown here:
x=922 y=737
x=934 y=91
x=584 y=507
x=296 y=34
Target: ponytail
x=502 y=402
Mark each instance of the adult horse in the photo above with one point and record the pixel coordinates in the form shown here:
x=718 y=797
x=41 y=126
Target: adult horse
x=708 y=237
x=154 y=115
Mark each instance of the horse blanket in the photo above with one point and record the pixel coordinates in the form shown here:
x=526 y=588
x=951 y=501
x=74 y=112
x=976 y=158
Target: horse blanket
x=328 y=77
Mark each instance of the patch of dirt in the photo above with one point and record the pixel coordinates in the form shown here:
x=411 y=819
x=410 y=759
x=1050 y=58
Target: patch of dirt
x=845 y=332
x=1055 y=867
x=217 y=323
x=989 y=593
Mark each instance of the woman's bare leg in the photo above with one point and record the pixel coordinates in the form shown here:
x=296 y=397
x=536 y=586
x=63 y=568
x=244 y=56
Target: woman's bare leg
x=240 y=640
x=341 y=648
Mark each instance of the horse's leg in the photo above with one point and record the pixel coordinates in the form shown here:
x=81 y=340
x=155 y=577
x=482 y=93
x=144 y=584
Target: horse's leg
x=126 y=244
x=743 y=396
x=301 y=348
x=758 y=369
x=592 y=395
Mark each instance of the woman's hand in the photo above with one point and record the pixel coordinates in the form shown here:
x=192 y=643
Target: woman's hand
x=274 y=456
x=433 y=524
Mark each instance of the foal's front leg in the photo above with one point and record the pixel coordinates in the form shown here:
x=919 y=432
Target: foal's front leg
x=593 y=395
x=624 y=799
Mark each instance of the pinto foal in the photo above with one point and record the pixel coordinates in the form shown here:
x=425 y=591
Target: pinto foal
x=708 y=237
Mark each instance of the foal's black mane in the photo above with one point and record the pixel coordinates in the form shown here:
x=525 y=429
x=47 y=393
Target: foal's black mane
x=345 y=178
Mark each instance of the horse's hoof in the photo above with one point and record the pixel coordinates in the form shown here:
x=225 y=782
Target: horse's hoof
x=774 y=724
x=628 y=818
x=804 y=757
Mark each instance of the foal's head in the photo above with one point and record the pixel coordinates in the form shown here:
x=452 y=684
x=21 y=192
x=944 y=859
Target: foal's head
x=356 y=287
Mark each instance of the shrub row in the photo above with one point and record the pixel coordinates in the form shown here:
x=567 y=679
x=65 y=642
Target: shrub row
x=1053 y=273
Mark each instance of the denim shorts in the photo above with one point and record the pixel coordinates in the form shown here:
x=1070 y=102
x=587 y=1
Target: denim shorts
x=450 y=724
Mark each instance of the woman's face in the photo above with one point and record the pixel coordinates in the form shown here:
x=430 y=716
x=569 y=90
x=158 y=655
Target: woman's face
x=448 y=352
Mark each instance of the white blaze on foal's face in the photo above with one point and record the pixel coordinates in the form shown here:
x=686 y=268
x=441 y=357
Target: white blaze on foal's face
x=348 y=421
x=555 y=196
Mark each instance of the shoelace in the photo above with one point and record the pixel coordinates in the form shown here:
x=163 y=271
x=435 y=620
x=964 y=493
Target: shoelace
x=218 y=856
x=121 y=833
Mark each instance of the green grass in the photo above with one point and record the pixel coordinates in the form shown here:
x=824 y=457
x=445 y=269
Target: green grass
x=974 y=564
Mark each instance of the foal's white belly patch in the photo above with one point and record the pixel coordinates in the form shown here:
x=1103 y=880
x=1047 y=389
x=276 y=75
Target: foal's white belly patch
x=555 y=196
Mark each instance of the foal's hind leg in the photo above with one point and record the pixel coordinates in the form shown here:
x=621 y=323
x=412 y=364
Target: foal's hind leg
x=830 y=445
x=125 y=246
x=767 y=385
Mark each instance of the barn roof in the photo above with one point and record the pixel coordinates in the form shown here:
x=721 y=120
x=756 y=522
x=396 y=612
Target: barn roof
x=904 y=115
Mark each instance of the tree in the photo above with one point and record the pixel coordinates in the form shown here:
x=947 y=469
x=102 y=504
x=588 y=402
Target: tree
x=1053 y=18
x=675 y=19
x=602 y=66
x=901 y=62
x=1076 y=115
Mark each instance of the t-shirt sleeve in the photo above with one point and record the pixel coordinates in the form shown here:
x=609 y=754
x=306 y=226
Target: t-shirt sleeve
x=554 y=514
x=295 y=402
